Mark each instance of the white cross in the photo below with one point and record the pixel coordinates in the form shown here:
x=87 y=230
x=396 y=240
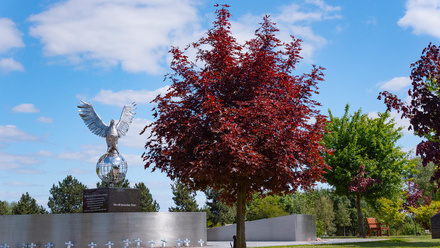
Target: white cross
x=201 y=242
x=32 y=245
x=109 y=244
x=138 y=242
x=23 y=245
x=163 y=242
x=69 y=244
x=151 y=242
x=126 y=243
x=49 y=245
x=92 y=245
x=187 y=241
x=5 y=245
x=178 y=242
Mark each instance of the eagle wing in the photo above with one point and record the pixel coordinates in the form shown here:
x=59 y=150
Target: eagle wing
x=92 y=119
x=126 y=119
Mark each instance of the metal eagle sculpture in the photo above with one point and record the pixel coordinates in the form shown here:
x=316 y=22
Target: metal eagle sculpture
x=111 y=132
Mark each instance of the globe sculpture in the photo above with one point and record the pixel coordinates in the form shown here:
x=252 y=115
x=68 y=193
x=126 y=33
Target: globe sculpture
x=111 y=167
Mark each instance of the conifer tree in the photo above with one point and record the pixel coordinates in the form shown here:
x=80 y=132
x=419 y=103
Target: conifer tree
x=27 y=205
x=67 y=196
x=183 y=198
x=147 y=202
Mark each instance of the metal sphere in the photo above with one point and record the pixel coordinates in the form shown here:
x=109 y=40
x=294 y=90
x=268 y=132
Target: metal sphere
x=111 y=168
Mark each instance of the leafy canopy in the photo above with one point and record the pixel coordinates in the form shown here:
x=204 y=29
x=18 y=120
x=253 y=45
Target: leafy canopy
x=357 y=140
x=238 y=115
x=423 y=110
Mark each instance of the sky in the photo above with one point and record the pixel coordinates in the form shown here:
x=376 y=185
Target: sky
x=112 y=52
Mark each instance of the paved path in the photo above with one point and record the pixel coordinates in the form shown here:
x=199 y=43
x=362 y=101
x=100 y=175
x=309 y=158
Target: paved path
x=226 y=244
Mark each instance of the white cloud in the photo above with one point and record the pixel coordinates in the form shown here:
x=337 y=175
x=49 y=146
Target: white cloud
x=124 y=97
x=396 y=84
x=20 y=184
x=11 y=37
x=89 y=153
x=294 y=19
x=10 y=133
x=43 y=153
x=423 y=16
x=9 y=65
x=16 y=162
x=133 y=139
x=134 y=34
x=25 y=108
x=45 y=120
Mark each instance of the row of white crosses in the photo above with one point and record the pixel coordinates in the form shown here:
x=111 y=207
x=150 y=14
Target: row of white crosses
x=110 y=244
x=31 y=245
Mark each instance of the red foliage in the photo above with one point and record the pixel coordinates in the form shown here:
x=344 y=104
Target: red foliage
x=360 y=183
x=423 y=111
x=242 y=118
x=415 y=196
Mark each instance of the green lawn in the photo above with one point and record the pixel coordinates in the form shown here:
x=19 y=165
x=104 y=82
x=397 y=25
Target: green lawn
x=395 y=242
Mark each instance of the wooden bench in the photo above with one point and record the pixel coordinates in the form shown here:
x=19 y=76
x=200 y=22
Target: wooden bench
x=374 y=226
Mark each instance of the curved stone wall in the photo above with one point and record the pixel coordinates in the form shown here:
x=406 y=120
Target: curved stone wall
x=82 y=229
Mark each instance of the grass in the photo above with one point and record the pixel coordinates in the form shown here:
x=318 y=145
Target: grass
x=394 y=242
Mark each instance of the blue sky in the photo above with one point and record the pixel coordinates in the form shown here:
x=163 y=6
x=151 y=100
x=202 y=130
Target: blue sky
x=114 y=52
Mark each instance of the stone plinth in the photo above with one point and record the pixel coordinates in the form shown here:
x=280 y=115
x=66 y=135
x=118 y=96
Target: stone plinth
x=107 y=200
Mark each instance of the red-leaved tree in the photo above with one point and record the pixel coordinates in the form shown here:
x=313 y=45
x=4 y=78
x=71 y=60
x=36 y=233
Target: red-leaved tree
x=359 y=185
x=423 y=111
x=238 y=121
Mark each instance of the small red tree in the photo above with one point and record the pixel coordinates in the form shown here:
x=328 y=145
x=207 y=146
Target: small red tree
x=241 y=122
x=424 y=108
x=359 y=185
x=414 y=198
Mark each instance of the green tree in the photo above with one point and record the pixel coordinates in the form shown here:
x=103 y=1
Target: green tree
x=27 y=205
x=424 y=213
x=299 y=203
x=325 y=215
x=218 y=213
x=4 y=208
x=342 y=216
x=264 y=206
x=422 y=176
x=148 y=204
x=67 y=196
x=391 y=211
x=184 y=198
x=121 y=184
x=359 y=141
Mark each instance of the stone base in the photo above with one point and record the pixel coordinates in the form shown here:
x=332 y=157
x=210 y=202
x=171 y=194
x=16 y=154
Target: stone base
x=106 y=200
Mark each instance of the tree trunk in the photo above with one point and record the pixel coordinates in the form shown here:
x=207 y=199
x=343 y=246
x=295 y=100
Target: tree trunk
x=415 y=223
x=360 y=217
x=241 y=211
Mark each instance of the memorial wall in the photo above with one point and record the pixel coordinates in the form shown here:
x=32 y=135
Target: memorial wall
x=82 y=229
